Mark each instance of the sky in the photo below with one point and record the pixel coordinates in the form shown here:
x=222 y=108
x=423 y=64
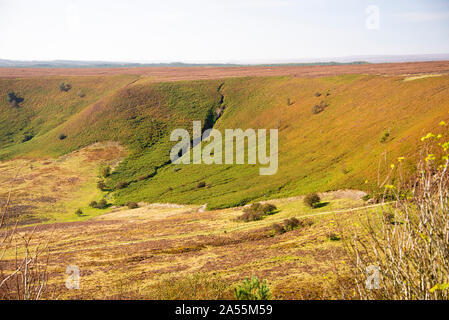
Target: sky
x=220 y=31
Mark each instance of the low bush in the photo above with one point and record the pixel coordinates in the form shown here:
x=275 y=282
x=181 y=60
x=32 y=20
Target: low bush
x=384 y=136
x=121 y=185
x=311 y=200
x=332 y=236
x=62 y=136
x=81 y=94
x=27 y=137
x=64 y=86
x=105 y=171
x=257 y=211
x=200 y=185
x=79 y=212
x=102 y=204
x=252 y=289
x=13 y=99
x=101 y=185
x=132 y=205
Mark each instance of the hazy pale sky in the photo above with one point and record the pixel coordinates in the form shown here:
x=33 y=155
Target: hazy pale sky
x=222 y=31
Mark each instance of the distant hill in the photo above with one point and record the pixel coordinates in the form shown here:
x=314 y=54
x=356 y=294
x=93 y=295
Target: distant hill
x=102 y=64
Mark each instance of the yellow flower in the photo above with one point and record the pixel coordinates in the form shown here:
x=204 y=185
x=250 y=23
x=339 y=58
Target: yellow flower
x=366 y=181
x=430 y=157
x=442 y=123
x=392 y=166
x=400 y=159
x=389 y=186
x=428 y=136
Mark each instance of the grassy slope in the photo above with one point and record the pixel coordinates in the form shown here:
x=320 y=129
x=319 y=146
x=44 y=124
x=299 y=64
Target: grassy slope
x=337 y=148
x=45 y=107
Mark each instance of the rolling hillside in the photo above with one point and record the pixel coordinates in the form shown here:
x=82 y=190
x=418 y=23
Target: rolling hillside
x=361 y=117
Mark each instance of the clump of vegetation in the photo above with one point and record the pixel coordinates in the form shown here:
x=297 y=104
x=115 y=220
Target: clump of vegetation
x=13 y=99
x=332 y=236
x=289 y=102
x=101 y=185
x=384 y=137
x=317 y=94
x=312 y=200
x=200 y=185
x=102 y=204
x=105 y=171
x=252 y=289
x=290 y=224
x=79 y=212
x=81 y=93
x=198 y=286
x=132 y=205
x=142 y=178
x=121 y=185
x=64 y=87
x=257 y=211
x=27 y=137
x=319 y=107
x=62 y=136
x=408 y=243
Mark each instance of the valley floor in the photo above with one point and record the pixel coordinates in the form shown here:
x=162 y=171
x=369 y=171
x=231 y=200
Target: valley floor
x=153 y=252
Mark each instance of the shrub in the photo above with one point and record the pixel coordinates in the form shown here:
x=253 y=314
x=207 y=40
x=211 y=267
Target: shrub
x=287 y=225
x=101 y=185
x=319 y=107
x=102 y=204
x=248 y=216
x=105 y=171
x=64 y=86
x=268 y=208
x=62 y=136
x=291 y=224
x=81 y=94
x=132 y=205
x=201 y=184
x=278 y=228
x=316 y=109
x=252 y=289
x=333 y=236
x=13 y=99
x=79 y=212
x=408 y=242
x=384 y=136
x=27 y=137
x=311 y=200
x=256 y=211
x=317 y=94
x=121 y=185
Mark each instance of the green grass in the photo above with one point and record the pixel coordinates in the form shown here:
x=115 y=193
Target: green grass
x=337 y=148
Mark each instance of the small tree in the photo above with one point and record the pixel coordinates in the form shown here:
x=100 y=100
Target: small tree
x=64 y=86
x=132 y=205
x=311 y=200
